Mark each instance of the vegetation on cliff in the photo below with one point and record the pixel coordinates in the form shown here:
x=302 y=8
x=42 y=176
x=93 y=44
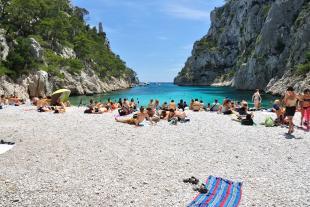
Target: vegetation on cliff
x=55 y=25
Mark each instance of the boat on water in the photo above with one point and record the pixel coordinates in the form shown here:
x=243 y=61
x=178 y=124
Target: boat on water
x=144 y=84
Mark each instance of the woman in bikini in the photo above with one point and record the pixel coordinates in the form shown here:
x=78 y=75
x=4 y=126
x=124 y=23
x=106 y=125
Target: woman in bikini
x=290 y=101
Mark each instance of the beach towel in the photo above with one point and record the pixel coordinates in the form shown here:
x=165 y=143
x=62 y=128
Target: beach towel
x=222 y=193
x=5 y=147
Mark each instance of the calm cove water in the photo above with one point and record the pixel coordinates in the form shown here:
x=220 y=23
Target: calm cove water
x=168 y=91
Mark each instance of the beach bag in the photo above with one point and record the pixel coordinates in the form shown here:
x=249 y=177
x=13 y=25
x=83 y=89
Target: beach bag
x=269 y=122
x=173 y=121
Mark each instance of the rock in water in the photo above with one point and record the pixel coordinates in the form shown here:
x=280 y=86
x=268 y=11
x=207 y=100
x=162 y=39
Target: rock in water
x=252 y=44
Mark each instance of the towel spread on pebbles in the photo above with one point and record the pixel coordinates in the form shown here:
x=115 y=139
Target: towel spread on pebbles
x=5 y=147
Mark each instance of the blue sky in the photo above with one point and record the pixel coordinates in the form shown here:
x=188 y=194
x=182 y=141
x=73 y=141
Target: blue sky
x=154 y=37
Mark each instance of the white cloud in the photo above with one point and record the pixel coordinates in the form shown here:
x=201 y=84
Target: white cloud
x=184 y=12
x=162 y=38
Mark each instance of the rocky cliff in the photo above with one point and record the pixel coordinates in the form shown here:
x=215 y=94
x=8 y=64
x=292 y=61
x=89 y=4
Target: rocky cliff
x=40 y=83
x=53 y=47
x=253 y=44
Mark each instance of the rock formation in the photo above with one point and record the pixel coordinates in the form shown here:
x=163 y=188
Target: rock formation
x=253 y=44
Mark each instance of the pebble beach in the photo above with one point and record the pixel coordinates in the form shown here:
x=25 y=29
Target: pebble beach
x=76 y=159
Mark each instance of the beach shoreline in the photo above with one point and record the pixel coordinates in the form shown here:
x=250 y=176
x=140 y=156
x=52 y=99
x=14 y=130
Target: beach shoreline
x=77 y=159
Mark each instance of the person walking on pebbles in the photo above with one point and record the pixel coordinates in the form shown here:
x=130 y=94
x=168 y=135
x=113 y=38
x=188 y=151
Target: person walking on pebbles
x=290 y=101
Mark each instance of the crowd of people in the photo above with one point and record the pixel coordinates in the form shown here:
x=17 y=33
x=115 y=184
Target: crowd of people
x=130 y=112
x=10 y=100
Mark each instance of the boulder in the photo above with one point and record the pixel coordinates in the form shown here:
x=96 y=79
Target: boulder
x=36 y=50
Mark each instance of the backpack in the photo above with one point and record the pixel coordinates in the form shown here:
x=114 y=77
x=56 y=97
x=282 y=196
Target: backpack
x=269 y=122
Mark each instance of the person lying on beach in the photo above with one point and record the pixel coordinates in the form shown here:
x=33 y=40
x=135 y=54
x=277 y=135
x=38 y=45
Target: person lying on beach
x=136 y=119
x=43 y=104
x=14 y=100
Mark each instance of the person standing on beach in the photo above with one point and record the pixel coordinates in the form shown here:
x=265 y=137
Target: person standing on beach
x=305 y=109
x=257 y=99
x=290 y=101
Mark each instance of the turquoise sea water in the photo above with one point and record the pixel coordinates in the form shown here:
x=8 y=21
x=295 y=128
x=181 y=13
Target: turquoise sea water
x=167 y=91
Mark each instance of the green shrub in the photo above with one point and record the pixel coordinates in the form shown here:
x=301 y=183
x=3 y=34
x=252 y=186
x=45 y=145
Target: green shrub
x=303 y=69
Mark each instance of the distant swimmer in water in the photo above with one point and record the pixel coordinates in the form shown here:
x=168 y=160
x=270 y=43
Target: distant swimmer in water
x=257 y=99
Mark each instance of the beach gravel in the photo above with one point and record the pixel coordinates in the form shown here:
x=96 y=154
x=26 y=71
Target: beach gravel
x=77 y=159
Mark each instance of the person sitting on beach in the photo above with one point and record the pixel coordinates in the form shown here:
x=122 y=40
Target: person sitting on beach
x=60 y=107
x=202 y=106
x=164 y=106
x=191 y=104
x=151 y=104
x=153 y=117
x=125 y=109
x=3 y=101
x=157 y=106
x=132 y=104
x=172 y=105
x=276 y=108
x=215 y=106
x=226 y=108
x=248 y=120
x=136 y=119
x=181 y=105
x=243 y=110
x=237 y=105
x=173 y=116
x=208 y=108
x=196 y=105
x=185 y=105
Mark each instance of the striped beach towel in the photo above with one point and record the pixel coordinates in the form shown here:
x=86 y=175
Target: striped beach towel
x=222 y=193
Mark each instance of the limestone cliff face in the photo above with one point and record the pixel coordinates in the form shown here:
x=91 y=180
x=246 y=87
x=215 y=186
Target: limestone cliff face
x=253 y=44
x=39 y=83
